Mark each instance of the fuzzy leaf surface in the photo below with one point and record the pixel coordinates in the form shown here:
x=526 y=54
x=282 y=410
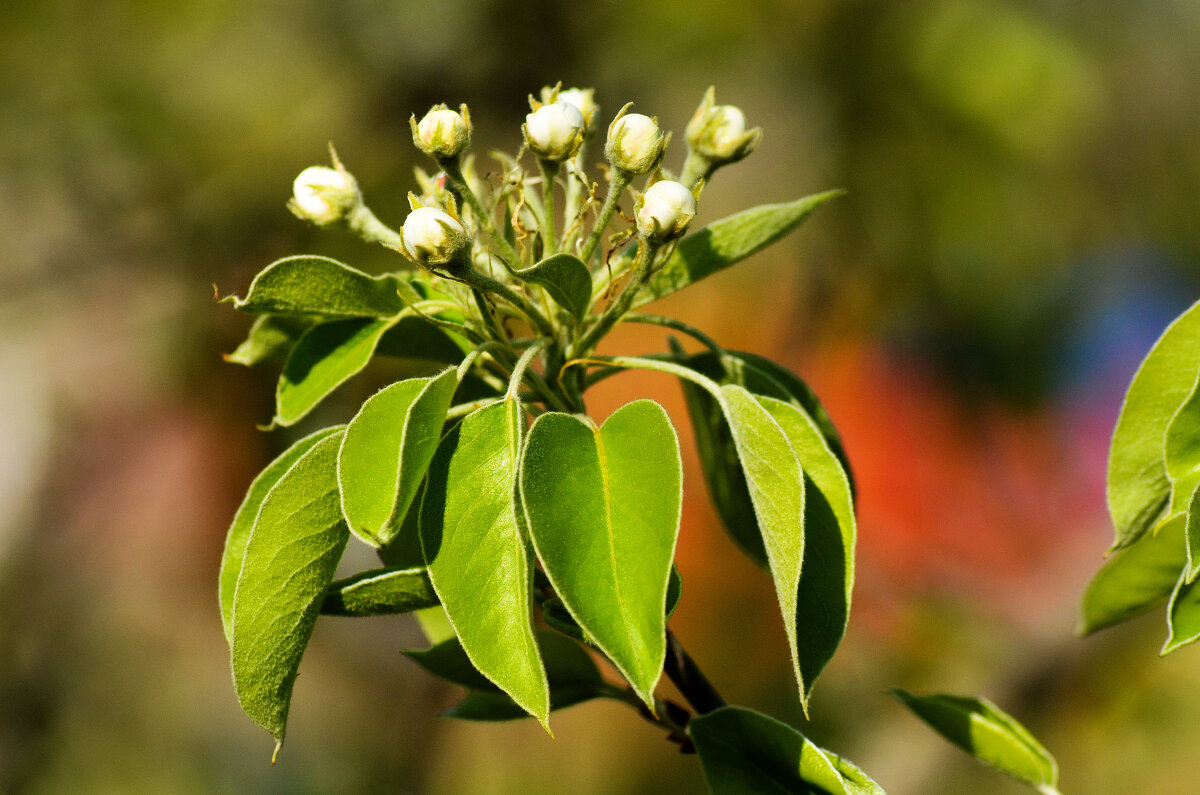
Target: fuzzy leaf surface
x=311 y=285
x=987 y=733
x=476 y=557
x=386 y=451
x=270 y=337
x=743 y=751
x=827 y=577
x=290 y=559
x=1138 y=485
x=243 y=520
x=602 y=506
x=566 y=279
x=324 y=358
x=776 y=484
x=726 y=242
x=1135 y=578
x=379 y=592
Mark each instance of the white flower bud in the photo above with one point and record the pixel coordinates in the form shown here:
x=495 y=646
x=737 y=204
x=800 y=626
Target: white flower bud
x=718 y=132
x=664 y=211
x=324 y=195
x=584 y=100
x=442 y=133
x=635 y=143
x=432 y=237
x=554 y=131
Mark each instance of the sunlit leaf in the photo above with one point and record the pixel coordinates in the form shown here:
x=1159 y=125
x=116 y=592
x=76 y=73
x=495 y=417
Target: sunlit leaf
x=243 y=520
x=324 y=358
x=1182 y=454
x=1138 y=484
x=743 y=751
x=387 y=448
x=310 y=285
x=290 y=559
x=476 y=557
x=726 y=242
x=556 y=615
x=1135 y=578
x=987 y=733
x=602 y=506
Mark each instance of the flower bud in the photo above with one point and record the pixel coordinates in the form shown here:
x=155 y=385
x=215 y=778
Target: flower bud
x=584 y=100
x=664 y=211
x=442 y=133
x=635 y=143
x=554 y=131
x=432 y=237
x=324 y=195
x=718 y=132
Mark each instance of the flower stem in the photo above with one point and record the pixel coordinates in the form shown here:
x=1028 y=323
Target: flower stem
x=620 y=181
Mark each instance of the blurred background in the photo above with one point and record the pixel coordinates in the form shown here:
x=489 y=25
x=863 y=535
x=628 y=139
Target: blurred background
x=1021 y=223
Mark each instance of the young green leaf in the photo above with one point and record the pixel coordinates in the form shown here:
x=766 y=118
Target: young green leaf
x=243 y=520
x=718 y=454
x=386 y=450
x=603 y=507
x=1138 y=484
x=989 y=734
x=294 y=548
x=827 y=577
x=308 y=285
x=270 y=337
x=325 y=357
x=775 y=481
x=379 y=592
x=572 y=675
x=566 y=279
x=743 y=751
x=1182 y=453
x=1183 y=614
x=477 y=559
x=728 y=241
x=556 y=615
x=1135 y=578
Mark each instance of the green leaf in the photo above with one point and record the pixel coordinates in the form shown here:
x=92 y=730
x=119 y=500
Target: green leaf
x=776 y=484
x=308 y=285
x=743 y=751
x=243 y=520
x=556 y=615
x=987 y=733
x=294 y=548
x=379 y=592
x=1182 y=455
x=387 y=448
x=728 y=241
x=827 y=577
x=566 y=279
x=477 y=560
x=414 y=337
x=572 y=675
x=325 y=357
x=1135 y=578
x=1138 y=485
x=718 y=454
x=603 y=508
x=270 y=337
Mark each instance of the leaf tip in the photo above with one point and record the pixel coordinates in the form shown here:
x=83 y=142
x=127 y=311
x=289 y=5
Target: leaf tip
x=278 y=745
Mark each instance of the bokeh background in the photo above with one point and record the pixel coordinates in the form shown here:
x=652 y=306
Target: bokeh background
x=1021 y=222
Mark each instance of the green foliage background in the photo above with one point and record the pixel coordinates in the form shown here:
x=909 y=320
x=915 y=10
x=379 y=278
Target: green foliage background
x=1011 y=167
